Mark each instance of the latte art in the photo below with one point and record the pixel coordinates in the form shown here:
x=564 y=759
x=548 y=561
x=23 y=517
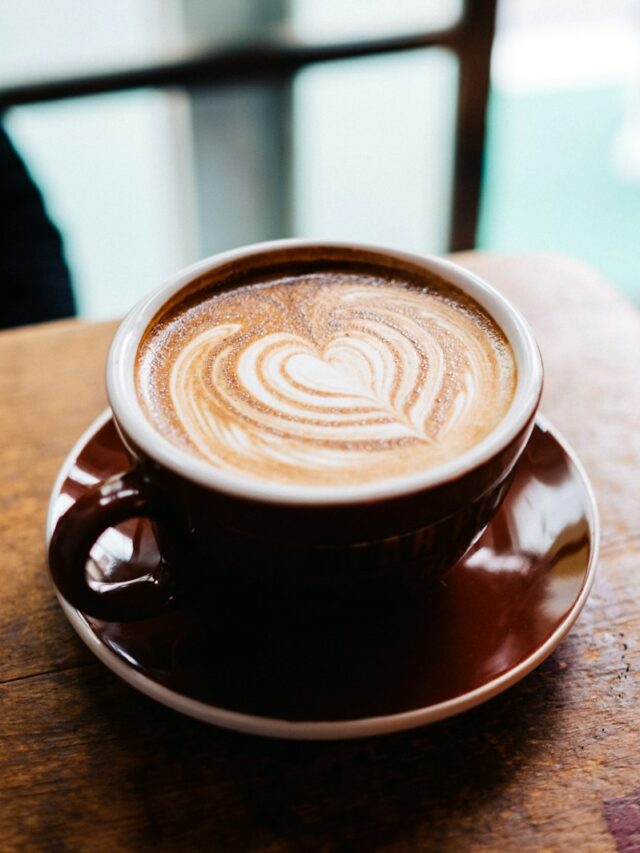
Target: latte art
x=326 y=378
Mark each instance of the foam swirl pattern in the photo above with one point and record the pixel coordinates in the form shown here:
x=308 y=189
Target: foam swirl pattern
x=327 y=378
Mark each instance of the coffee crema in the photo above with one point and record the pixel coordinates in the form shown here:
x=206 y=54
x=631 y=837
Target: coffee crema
x=325 y=378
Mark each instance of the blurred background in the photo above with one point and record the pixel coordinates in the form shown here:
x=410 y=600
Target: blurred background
x=318 y=118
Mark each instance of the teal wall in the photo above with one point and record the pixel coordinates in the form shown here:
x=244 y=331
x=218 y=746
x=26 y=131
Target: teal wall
x=550 y=181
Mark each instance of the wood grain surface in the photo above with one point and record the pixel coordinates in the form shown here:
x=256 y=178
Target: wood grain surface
x=86 y=763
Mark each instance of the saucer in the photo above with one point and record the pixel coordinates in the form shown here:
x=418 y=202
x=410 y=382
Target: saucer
x=496 y=615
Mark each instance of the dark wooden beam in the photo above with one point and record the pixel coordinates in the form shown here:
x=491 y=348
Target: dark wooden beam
x=474 y=52
x=272 y=58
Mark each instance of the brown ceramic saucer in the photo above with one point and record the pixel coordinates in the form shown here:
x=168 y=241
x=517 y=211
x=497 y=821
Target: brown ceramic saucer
x=498 y=613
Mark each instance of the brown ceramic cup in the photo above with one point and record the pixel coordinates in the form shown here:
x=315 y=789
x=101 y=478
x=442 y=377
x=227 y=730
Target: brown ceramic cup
x=215 y=530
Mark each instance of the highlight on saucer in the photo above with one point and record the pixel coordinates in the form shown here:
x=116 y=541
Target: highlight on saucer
x=327 y=377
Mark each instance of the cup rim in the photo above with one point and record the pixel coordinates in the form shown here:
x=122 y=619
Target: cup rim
x=130 y=416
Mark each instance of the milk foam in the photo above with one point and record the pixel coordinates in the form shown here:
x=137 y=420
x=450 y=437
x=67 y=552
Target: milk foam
x=326 y=378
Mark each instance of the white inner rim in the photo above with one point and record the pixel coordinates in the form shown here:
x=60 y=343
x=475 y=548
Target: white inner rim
x=128 y=411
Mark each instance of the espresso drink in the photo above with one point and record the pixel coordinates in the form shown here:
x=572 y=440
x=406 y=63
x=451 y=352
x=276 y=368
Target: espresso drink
x=325 y=378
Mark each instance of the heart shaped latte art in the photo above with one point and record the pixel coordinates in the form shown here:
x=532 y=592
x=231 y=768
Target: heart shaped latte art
x=329 y=379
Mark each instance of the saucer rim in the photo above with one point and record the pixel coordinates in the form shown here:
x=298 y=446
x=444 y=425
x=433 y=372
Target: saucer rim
x=332 y=729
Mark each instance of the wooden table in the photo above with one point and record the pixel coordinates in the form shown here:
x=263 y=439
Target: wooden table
x=554 y=763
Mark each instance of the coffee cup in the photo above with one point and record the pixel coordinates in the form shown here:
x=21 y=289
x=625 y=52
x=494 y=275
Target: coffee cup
x=306 y=420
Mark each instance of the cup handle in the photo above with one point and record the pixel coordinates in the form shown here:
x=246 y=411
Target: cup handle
x=124 y=496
